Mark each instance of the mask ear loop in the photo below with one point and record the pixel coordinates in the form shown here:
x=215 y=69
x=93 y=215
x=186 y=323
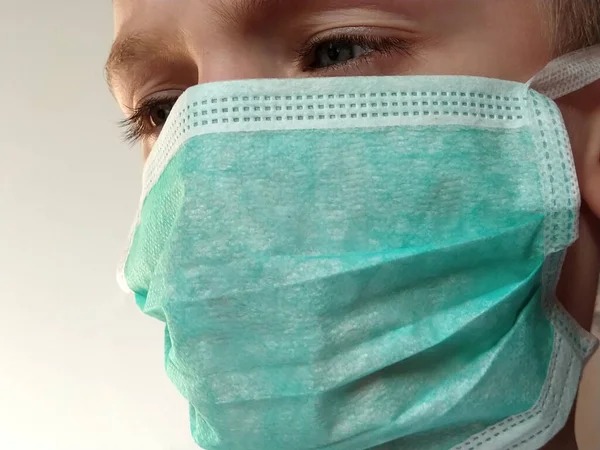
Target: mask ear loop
x=568 y=73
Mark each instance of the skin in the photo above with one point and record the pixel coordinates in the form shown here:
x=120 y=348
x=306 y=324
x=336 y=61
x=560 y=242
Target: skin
x=181 y=43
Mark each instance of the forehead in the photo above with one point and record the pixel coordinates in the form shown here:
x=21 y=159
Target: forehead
x=125 y=12
x=131 y=15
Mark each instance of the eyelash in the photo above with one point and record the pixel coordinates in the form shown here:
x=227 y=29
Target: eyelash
x=138 y=125
x=386 y=46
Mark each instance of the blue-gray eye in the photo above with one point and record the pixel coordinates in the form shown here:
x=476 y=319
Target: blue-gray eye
x=333 y=53
x=159 y=113
x=148 y=118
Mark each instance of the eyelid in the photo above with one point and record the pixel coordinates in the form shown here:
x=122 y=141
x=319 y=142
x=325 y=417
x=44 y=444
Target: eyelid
x=136 y=125
x=367 y=17
x=381 y=42
x=164 y=94
x=358 y=31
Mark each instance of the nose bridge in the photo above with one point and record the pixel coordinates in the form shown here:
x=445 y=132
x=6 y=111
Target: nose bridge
x=221 y=56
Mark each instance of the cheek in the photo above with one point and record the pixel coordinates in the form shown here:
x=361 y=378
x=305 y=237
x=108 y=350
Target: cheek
x=146 y=150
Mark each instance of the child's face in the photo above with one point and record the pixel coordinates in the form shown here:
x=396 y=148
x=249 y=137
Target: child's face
x=165 y=46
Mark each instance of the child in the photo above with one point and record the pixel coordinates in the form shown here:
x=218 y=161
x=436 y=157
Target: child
x=351 y=262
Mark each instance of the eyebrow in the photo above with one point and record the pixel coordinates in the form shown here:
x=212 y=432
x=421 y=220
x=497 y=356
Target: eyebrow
x=133 y=49
x=143 y=46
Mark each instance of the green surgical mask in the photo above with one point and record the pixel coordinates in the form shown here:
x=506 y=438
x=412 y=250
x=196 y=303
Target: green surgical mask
x=366 y=263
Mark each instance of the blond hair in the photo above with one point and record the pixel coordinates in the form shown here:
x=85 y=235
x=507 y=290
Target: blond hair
x=576 y=23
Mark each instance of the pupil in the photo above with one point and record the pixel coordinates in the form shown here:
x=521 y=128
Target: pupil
x=159 y=115
x=337 y=52
x=333 y=52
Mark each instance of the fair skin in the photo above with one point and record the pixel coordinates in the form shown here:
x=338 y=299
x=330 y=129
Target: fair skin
x=165 y=46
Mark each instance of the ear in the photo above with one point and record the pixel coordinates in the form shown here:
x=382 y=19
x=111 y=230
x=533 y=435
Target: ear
x=590 y=171
x=581 y=111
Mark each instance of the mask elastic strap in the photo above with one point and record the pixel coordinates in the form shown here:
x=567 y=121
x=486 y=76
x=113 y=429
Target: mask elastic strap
x=568 y=73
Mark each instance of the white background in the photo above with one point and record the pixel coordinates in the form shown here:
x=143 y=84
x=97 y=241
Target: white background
x=80 y=367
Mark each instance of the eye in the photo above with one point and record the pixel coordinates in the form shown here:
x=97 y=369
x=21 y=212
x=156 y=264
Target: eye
x=337 y=52
x=148 y=118
x=159 y=113
x=321 y=54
